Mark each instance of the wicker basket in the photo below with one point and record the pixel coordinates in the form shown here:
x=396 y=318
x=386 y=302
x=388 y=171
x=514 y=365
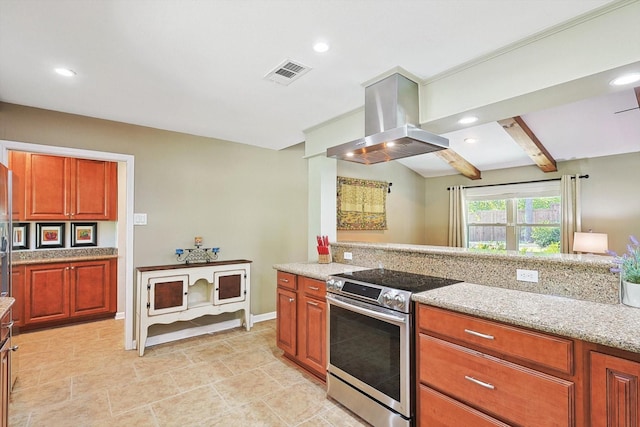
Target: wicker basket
x=324 y=259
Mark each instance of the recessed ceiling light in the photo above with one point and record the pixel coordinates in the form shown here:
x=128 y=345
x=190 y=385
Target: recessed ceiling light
x=470 y=140
x=350 y=154
x=625 y=79
x=390 y=144
x=65 y=72
x=321 y=47
x=467 y=120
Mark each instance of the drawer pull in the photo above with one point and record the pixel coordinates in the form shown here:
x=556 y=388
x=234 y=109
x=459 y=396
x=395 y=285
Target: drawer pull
x=284 y=280
x=314 y=288
x=478 y=334
x=313 y=303
x=480 y=383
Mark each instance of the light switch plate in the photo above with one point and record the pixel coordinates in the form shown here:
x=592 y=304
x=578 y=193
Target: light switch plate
x=139 y=219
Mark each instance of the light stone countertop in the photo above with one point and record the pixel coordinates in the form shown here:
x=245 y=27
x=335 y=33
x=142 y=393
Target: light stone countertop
x=317 y=271
x=613 y=325
x=5 y=304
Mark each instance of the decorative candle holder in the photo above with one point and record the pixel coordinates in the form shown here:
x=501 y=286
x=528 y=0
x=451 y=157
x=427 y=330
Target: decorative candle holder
x=197 y=255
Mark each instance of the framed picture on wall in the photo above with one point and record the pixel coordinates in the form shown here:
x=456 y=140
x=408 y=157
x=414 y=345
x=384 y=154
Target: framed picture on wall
x=20 y=235
x=49 y=235
x=84 y=234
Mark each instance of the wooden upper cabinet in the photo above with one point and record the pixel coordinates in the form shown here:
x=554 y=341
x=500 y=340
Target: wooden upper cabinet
x=63 y=188
x=17 y=164
x=46 y=187
x=93 y=190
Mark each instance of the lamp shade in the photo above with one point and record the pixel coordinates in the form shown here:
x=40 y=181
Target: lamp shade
x=591 y=243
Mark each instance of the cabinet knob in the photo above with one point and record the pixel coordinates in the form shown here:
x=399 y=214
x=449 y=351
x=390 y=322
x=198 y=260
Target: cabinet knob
x=14 y=348
x=291 y=300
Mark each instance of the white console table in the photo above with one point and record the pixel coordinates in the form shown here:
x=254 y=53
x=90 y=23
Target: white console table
x=172 y=293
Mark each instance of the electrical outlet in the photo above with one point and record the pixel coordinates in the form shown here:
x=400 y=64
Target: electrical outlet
x=527 y=275
x=347 y=255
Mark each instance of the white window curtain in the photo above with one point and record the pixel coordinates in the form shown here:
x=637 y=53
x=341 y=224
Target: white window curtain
x=571 y=215
x=457 y=223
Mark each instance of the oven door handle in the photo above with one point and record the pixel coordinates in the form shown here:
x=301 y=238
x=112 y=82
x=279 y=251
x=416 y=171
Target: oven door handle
x=365 y=311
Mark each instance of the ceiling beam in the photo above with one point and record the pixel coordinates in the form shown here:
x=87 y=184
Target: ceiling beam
x=459 y=163
x=525 y=138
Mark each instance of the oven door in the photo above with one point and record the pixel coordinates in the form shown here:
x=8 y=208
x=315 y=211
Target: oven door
x=369 y=350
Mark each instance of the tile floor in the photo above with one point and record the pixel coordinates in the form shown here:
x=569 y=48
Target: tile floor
x=81 y=376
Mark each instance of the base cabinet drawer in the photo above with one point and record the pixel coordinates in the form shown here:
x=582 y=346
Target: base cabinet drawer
x=495 y=386
x=438 y=410
x=540 y=349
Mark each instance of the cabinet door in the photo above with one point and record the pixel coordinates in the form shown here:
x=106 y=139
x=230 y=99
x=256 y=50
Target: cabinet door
x=17 y=284
x=17 y=164
x=286 y=323
x=90 y=284
x=47 y=189
x=46 y=292
x=615 y=390
x=229 y=286
x=312 y=327
x=5 y=373
x=93 y=190
x=167 y=294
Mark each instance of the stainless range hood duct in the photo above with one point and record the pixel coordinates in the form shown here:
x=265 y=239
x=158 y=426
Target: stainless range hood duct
x=390 y=109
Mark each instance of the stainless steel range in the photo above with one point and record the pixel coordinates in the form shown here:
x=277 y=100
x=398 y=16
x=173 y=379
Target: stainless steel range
x=371 y=367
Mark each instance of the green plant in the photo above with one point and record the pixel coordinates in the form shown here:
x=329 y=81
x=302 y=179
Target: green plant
x=545 y=236
x=628 y=264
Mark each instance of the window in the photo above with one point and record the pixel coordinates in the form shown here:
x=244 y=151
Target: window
x=520 y=217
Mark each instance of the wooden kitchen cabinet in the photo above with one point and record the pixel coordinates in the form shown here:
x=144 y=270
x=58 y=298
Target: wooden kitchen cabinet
x=17 y=284
x=301 y=321
x=287 y=321
x=5 y=368
x=63 y=188
x=312 y=324
x=615 y=391
x=494 y=374
x=65 y=292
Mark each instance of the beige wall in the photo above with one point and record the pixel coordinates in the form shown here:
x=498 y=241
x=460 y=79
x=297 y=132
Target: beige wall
x=405 y=203
x=609 y=204
x=250 y=202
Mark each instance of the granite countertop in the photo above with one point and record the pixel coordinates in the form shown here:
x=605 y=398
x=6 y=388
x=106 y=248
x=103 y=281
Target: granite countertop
x=315 y=270
x=5 y=304
x=45 y=256
x=613 y=325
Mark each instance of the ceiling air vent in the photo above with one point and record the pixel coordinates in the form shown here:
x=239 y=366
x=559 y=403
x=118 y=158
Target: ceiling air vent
x=287 y=72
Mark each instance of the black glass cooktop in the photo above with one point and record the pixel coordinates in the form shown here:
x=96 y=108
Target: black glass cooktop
x=398 y=279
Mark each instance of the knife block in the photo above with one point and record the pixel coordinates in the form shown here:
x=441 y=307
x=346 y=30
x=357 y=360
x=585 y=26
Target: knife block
x=324 y=258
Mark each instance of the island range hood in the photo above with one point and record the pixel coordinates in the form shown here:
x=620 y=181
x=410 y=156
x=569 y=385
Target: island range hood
x=391 y=117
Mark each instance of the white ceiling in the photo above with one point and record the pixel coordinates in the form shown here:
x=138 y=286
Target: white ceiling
x=198 y=66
